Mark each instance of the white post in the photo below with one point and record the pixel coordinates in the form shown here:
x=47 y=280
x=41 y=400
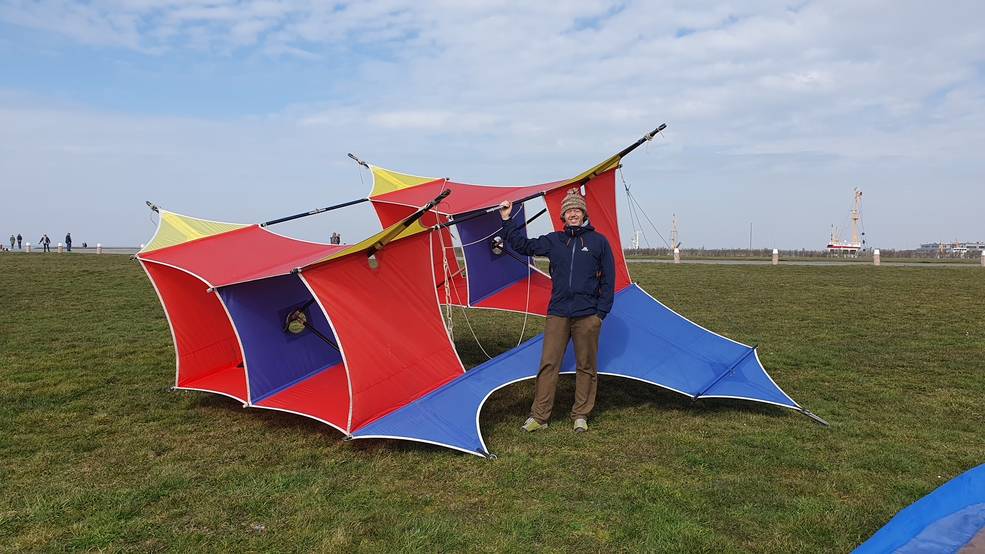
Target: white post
x=677 y=255
x=27 y=248
x=983 y=258
x=59 y=248
x=99 y=248
x=875 y=257
x=776 y=256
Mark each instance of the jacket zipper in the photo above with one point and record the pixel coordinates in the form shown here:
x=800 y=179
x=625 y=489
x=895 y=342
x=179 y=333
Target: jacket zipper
x=571 y=270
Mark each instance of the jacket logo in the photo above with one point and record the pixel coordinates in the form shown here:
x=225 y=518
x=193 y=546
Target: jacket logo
x=584 y=249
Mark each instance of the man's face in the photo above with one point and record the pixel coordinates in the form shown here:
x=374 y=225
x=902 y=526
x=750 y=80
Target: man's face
x=574 y=217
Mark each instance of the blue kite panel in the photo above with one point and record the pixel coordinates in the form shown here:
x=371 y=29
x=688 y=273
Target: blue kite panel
x=275 y=358
x=943 y=521
x=487 y=272
x=449 y=415
x=644 y=339
x=640 y=339
x=750 y=381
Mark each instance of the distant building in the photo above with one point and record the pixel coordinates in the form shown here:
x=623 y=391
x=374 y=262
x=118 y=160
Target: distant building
x=955 y=248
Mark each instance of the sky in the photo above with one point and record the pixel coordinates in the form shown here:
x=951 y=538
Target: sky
x=244 y=110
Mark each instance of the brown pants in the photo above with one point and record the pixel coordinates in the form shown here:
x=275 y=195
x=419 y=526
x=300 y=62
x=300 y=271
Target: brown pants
x=584 y=331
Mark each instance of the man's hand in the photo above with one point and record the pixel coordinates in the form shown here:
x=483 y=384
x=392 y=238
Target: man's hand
x=505 y=208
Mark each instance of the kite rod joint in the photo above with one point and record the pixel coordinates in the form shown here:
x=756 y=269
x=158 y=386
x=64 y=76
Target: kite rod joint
x=152 y=206
x=371 y=252
x=729 y=371
x=649 y=136
x=358 y=161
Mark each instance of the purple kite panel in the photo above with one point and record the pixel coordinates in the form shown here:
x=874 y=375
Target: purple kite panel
x=487 y=271
x=276 y=358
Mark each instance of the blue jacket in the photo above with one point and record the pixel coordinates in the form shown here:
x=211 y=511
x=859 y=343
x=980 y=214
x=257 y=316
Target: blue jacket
x=583 y=271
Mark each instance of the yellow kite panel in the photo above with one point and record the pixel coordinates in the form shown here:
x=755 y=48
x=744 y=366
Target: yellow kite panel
x=174 y=229
x=598 y=169
x=385 y=181
x=391 y=233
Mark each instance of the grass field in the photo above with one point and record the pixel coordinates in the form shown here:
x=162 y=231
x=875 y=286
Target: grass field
x=98 y=454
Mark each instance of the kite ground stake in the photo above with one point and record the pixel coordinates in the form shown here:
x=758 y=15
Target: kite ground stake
x=813 y=416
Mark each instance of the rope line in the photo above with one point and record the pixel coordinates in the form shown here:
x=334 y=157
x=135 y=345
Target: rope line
x=487 y=237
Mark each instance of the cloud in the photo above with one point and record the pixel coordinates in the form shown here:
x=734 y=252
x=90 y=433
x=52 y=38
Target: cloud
x=760 y=96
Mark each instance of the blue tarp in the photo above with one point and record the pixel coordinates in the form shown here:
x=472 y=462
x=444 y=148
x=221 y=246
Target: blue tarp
x=943 y=521
x=641 y=339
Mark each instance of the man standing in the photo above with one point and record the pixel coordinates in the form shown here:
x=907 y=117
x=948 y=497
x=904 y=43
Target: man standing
x=45 y=243
x=12 y=239
x=19 y=239
x=582 y=287
x=68 y=241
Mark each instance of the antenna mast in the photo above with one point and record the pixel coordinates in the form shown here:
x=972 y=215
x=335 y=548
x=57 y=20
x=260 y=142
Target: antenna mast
x=674 y=242
x=855 y=217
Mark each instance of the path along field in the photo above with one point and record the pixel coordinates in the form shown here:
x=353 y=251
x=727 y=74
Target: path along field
x=96 y=453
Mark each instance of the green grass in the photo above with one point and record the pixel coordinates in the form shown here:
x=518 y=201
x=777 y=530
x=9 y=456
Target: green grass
x=98 y=454
x=864 y=259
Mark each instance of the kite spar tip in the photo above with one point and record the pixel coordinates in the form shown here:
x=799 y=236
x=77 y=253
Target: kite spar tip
x=651 y=134
x=358 y=161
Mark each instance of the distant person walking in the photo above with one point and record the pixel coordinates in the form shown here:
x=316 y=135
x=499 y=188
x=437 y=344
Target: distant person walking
x=45 y=243
x=68 y=241
x=12 y=239
x=336 y=238
x=19 y=241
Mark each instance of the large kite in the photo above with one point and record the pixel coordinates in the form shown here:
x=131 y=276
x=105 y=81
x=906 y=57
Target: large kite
x=306 y=328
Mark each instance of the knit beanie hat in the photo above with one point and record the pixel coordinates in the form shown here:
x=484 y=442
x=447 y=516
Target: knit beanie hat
x=574 y=199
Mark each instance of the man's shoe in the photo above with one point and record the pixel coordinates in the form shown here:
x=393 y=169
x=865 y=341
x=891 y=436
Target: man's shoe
x=532 y=425
x=581 y=425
